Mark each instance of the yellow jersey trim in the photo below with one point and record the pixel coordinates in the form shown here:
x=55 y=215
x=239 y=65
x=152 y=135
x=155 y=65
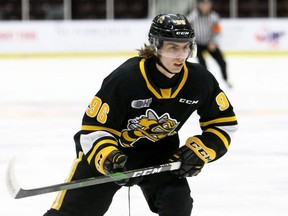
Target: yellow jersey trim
x=220 y=135
x=100 y=128
x=164 y=93
x=219 y=120
x=60 y=197
x=183 y=81
x=101 y=157
x=98 y=145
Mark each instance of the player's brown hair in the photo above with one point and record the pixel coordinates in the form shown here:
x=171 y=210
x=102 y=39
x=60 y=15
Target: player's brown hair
x=147 y=51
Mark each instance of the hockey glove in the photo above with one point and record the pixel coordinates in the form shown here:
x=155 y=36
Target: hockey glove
x=115 y=162
x=191 y=164
x=193 y=155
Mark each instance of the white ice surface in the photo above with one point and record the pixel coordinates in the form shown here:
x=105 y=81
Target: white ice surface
x=41 y=106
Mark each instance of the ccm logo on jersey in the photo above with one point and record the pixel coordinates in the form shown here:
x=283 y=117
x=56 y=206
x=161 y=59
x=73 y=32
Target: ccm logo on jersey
x=186 y=101
x=141 y=103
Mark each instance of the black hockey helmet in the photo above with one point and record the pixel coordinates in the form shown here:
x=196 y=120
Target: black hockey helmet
x=171 y=27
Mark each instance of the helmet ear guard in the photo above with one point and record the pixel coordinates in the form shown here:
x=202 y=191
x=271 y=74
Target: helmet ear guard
x=172 y=27
x=156 y=43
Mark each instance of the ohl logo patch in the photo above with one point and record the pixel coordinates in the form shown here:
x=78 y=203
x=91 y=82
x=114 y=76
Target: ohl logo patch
x=149 y=126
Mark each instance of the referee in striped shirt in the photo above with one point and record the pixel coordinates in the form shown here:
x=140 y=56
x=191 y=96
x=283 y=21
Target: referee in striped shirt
x=206 y=25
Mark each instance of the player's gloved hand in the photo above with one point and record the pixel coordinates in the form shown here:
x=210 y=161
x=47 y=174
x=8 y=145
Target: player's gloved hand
x=193 y=155
x=191 y=164
x=115 y=162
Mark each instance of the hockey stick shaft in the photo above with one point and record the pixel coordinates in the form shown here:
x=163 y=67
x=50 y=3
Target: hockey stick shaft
x=17 y=192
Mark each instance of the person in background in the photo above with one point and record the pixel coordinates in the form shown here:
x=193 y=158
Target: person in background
x=205 y=21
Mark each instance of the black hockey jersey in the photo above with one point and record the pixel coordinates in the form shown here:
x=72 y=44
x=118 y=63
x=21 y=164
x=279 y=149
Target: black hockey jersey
x=140 y=112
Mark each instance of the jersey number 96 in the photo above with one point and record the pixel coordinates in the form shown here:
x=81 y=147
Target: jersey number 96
x=98 y=110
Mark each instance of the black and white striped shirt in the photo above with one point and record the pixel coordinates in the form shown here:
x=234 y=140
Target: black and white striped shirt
x=203 y=26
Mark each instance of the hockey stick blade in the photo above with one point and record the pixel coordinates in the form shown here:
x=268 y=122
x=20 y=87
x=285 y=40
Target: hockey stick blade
x=17 y=192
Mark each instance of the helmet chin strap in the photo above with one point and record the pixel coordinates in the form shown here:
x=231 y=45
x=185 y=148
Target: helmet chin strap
x=162 y=65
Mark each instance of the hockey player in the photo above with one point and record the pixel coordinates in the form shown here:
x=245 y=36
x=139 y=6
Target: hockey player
x=205 y=21
x=134 y=119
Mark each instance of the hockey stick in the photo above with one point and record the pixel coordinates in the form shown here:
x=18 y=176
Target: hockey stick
x=17 y=192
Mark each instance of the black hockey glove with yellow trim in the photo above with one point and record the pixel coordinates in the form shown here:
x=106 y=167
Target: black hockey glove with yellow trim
x=115 y=162
x=193 y=155
x=191 y=164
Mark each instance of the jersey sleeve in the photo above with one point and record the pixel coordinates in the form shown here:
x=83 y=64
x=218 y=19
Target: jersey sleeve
x=102 y=123
x=218 y=122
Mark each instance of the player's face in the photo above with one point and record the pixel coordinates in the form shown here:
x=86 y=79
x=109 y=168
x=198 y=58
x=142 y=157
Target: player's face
x=174 y=54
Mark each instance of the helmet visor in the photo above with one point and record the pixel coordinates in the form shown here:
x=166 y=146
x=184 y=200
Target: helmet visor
x=173 y=49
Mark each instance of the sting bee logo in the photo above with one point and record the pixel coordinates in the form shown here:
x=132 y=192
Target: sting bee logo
x=149 y=126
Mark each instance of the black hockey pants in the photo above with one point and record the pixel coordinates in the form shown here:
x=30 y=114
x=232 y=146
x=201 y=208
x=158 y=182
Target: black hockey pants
x=166 y=195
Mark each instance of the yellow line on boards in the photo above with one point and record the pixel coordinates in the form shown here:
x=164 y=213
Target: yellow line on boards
x=124 y=54
x=67 y=55
x=257 y=53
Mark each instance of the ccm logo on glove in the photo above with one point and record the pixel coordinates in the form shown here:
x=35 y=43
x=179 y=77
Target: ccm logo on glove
x=203 y=152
